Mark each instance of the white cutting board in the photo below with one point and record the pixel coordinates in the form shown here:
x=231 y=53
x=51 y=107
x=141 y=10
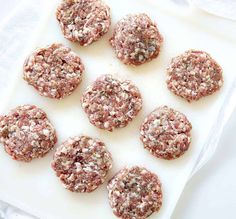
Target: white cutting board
x=34 y=186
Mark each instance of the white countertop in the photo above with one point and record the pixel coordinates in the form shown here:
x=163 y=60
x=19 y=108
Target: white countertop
x=209 y=194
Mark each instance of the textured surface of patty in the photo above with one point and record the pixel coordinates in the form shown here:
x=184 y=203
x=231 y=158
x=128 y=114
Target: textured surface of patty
x=111 y=103
x=55 y=71
x=136 y=39
x=26 y=133
x=166 y=133
x=194 y=74
x=134 y=193
x=83 y=21
x=82 y=163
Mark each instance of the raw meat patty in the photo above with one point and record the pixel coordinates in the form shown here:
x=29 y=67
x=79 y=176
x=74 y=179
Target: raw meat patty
x=82 y=163
x=26 y=133
x=134 y=193
x=111 y=103
x=55 y=71
x=193 y=75
x=166 y=133
x=83 y=21
x=136 y=39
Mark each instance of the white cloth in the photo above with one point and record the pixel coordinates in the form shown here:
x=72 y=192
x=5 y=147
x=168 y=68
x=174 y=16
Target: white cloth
x=211 y=192
x=222 y=8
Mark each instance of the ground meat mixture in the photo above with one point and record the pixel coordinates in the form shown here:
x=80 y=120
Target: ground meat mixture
x=83 y=21
x=55 y=71
x=136 y=39
x=134 y=193
x=166 y=133
x=82 y=163
x=194 y=74
x=111 y=103
x=26 y=133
